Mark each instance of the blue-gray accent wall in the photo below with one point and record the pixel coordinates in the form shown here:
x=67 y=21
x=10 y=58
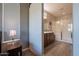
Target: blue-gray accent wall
x=24 y=24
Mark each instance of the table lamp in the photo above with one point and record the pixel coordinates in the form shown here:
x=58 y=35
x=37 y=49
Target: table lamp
x=12 y=33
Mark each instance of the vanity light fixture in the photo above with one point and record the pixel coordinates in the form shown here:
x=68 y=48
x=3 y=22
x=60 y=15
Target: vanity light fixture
x=58 y=22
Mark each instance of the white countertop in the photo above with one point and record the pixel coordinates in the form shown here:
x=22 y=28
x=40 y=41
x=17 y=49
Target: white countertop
x=10 y=40
x=48 y=32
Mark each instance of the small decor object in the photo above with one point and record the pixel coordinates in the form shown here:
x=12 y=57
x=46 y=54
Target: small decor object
x=12 y=34
x=50 y=26
x=50 y=23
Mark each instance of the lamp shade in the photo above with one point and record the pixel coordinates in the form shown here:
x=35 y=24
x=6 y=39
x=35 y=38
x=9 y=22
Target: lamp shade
x=12 y=32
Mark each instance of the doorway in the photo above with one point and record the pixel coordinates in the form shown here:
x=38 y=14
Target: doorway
x=57 y=29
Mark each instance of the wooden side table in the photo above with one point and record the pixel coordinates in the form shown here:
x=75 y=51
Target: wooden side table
x=10 y=46
x=15 y=51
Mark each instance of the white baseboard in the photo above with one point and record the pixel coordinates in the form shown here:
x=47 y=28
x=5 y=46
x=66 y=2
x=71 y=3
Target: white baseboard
x=65 y=41
x=25 y=49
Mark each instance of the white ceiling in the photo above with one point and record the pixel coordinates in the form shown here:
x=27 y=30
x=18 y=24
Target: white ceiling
x=58 y=9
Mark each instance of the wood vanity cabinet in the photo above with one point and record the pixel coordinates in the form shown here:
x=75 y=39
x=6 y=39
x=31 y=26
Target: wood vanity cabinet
x=48 y=39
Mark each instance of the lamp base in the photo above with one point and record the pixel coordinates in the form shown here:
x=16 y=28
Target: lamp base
x=12 y=38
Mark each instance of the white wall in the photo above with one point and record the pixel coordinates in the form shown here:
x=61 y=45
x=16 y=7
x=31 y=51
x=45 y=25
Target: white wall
x=66 y=35
x=50 y=18
x=11 y=19
x=76 y=29
x=35 y=28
